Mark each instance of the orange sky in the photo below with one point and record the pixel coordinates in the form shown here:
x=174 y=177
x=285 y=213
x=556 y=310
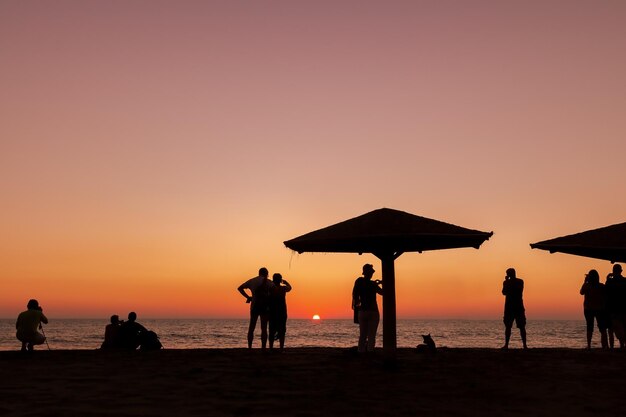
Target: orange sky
x=155 y=154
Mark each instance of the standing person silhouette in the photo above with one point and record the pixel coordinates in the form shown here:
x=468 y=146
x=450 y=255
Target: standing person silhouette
x=278 y=311
x=616 y=302
x=595 y=307
x=512 y=289
x=260 y=287
x=27 y=325
x=364 y=299
x=609 y=323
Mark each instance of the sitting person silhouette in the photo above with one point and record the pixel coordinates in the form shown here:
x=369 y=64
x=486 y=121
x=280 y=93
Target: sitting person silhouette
x=27 y=325
x=112 y=334
x=131 y=332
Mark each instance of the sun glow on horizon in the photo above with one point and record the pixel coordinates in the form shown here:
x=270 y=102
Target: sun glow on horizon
x=316 y=317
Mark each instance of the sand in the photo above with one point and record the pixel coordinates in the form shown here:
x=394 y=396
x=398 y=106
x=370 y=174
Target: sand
x=313 y=382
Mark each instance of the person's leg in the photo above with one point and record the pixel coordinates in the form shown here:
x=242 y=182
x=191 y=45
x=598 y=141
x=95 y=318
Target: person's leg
x=603 y=324
x=253 y=318
x=507 y=336
x=589 y=320
x=272 y=326
x=363 y=325
x=371 y=331
x=603 y=339
x=282 y=330
x=508 y=324
x=520 y=321
x=618 y=329
x=264 y=319
x=22 y=339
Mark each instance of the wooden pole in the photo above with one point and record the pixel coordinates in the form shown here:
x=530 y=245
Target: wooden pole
x=389 y=308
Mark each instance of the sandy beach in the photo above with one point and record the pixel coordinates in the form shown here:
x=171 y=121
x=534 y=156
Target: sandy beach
x=312 y=382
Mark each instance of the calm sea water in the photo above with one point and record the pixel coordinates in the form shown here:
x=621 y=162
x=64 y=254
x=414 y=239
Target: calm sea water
x=231 y=333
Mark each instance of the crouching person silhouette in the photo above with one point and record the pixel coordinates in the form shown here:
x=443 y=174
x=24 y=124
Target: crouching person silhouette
x=27 y=325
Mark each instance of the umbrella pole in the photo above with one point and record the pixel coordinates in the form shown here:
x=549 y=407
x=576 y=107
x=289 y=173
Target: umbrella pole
x=389 y=308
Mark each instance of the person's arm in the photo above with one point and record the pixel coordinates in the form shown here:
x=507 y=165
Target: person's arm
x=504 y=289
x=379 y=289
x=44 y=319
x=583 y=289
x=287 y=286
x=355 y=295
x=241 y=290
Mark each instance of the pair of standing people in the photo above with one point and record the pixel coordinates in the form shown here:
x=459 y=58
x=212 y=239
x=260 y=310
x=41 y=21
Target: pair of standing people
x=269 y=303
x=606 y=303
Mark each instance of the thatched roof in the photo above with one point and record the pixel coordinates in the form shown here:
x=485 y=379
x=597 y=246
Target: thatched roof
x=387 y=230
x=607 y=243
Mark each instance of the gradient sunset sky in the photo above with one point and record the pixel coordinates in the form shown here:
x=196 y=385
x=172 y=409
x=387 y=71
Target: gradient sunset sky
x=155 y=154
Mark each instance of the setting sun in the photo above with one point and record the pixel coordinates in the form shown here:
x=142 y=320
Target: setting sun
x=316 y=317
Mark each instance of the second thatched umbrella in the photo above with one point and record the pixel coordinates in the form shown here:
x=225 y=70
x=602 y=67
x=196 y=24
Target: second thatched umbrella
x=607 y=243
x=387 y=234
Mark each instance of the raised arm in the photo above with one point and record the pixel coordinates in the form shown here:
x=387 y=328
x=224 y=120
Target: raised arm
x=379 y=289
x=287 y=286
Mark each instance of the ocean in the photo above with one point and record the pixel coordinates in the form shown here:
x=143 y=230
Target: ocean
x=231 y=333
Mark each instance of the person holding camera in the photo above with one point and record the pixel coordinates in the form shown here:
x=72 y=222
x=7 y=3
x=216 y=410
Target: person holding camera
x=364 y=301
x=594 y=306
x=514 y=311
x=28 y=325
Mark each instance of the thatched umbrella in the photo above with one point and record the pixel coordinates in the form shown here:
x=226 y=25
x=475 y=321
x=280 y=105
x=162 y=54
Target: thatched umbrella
x=387 y=234
x=607 y=243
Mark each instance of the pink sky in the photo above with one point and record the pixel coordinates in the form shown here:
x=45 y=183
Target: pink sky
x=155 y=154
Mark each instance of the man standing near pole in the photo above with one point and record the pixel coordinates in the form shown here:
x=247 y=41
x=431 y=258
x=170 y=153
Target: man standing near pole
x=364 y=299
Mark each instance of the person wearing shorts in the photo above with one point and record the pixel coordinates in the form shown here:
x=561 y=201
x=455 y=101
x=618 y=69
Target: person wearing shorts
x=514 y=311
